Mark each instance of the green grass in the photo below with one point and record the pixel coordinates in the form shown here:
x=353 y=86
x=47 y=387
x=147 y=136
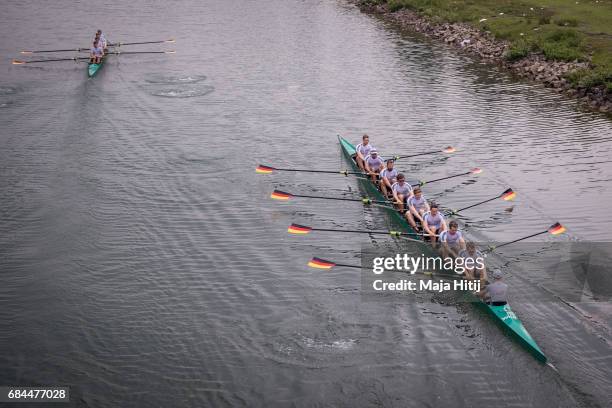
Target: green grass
x=564 y=30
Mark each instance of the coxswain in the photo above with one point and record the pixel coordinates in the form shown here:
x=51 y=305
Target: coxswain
x=363 y=150
x=433 y=223
x=473 y=262
x=417 y=207
x=452 y=240
x=402 y=192
x=387 y=178
x=496 y=292
x=96 y=53
x=374 y=164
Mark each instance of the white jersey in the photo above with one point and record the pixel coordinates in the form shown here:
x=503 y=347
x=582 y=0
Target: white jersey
x=451 y=239
x=477 y=255
x=364 y=149
x=418 y=203
x=434 y=221
x=391 y=175
x=374 y=163
x=405 y=189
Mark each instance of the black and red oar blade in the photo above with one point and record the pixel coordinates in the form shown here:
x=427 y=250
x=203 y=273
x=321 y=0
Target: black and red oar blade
x=556 y=229
x=321 y=263
x=508 y=195
x=261 y=169
x=298 y=229
x=449 y=149
x=476 y=170
x=280 y=195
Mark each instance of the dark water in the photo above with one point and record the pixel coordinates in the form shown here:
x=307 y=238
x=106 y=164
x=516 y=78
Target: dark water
x=143 y=263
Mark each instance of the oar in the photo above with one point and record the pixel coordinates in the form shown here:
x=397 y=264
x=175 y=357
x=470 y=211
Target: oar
x=554 y=229
x=448 y=149
x=303 y=229
x=119 y=44
x=141 y=52
x=323 y=264
x=507 y=195
x=475 y=170
x=19 y=62
x=261 y=169
x=42 y=51
x=282 y=195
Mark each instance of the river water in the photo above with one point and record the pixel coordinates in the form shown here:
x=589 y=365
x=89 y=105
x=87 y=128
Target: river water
x=144 y=264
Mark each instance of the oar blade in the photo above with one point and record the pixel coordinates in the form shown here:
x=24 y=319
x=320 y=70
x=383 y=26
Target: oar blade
x=449 y=149
x=261 y=169
x=508 y=195
x=298 y=229
x=476 y=170
x=319 y=263
x=18 y=62
x=280 y=195
x=556 y=229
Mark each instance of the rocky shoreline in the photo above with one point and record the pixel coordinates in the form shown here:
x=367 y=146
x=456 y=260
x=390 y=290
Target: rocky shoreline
x=476 y=42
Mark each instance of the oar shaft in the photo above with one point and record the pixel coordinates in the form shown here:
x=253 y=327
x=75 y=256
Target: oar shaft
x=522 y=239
x=348 y=266
x=18 y=62
x=320 y=171
x=474 y=205
x=441 y=178
x=363 y=200
x=50 y=51
x=366 y=231
x=140 y=52
x=119 y=44
x=416 y=155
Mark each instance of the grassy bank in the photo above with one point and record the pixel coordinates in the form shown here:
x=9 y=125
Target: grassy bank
x=564 y=30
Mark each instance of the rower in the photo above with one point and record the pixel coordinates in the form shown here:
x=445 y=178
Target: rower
x=387 y=178
x=433 y=223
x=402 y=192
x=102 y=39
x=374 y=165
x=417 y=207
x=452 y=240
x=496 y=293
x=473 y=262
x=96 y=53
x=363 y=150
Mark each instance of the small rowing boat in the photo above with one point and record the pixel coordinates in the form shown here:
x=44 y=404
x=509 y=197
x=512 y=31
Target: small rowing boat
x=503 y=315
x=92 y=69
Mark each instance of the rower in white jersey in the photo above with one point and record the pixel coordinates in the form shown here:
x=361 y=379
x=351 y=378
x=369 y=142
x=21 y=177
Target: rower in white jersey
x=473 y=262
x=387 y=178
x=363 y=150
x=433 y=223
x=417 y=207
x=452 y=240
x=495 y=293
x=374 y=164
x=402 y=192
x=102 y=39
x=96 y=53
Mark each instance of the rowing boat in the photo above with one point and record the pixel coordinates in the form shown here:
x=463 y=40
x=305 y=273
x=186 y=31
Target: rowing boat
x=503 y=315
x=92 y=69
